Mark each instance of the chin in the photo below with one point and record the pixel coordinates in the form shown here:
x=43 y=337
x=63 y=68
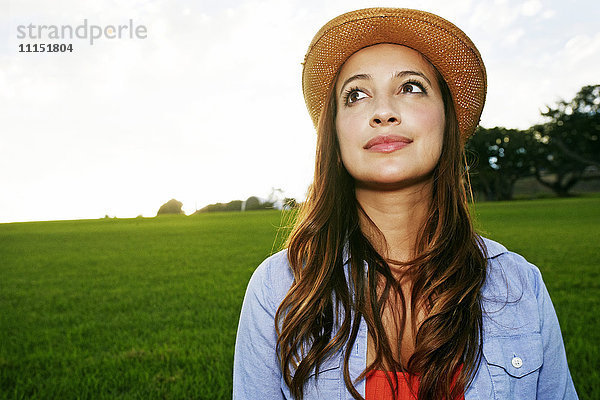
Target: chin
x=394 y=181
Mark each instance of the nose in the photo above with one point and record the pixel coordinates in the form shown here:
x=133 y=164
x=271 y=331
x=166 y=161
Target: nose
x=384 y=115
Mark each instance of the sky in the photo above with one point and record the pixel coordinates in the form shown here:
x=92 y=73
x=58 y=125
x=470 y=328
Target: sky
x=206 y=105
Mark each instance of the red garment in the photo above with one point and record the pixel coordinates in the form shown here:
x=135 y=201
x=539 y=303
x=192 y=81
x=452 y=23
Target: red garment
x=378 y=387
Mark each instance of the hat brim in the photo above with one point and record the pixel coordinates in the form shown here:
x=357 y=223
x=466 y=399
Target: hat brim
x=444 y=45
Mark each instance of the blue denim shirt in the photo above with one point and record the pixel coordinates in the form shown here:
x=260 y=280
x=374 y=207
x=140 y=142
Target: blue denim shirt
x=523 y=351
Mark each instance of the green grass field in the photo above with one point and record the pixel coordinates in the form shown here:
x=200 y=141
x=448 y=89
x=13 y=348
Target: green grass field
x=148 y=308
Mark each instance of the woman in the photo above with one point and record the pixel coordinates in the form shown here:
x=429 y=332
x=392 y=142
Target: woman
x=385 y=290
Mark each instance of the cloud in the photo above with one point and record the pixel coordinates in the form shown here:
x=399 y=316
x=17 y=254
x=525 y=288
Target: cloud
x=531 y=8
x=582 y=50
x=547 y=14
x=493 y=17
x=513 y=36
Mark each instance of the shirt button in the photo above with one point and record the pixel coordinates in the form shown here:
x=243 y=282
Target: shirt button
x=517 y=362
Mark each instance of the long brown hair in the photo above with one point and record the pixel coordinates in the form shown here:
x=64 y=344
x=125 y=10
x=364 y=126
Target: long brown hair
x=447 y=273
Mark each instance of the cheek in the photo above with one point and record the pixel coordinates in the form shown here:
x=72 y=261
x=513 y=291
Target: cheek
x=438 y=137
x=434 y=123
x=431 y=117
x=347 y=134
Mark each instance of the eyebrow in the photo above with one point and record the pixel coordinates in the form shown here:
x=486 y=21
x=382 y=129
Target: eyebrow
x=400 y=74
x=355 y=78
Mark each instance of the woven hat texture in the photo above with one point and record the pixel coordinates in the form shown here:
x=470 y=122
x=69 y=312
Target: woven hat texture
x=442 y=43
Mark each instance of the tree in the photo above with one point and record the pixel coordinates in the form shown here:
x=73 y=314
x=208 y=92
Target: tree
x=252 y=203
x=569 y=142
x=170 y=207
x=497 y=157
x=234 y=205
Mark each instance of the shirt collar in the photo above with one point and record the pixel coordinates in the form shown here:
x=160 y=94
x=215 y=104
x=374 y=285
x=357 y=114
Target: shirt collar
x=493 y=249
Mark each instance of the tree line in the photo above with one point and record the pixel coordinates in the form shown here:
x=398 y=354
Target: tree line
x=558 y=153
x=174 y=206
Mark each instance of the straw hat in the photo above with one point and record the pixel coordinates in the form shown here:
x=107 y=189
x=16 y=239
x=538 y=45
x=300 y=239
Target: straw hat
x=443 y=44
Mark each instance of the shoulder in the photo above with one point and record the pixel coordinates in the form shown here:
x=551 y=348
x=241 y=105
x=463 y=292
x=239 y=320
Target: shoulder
x=272 y=279
x=508 y=268
x=511 y=294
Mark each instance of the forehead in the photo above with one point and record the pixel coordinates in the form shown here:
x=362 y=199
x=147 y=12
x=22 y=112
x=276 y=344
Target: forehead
x=384 y=58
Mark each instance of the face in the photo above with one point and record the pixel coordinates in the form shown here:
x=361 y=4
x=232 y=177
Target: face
x=390 y=116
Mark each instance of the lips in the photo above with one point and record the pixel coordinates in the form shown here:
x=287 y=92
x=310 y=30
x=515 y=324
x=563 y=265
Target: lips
x=387 y=143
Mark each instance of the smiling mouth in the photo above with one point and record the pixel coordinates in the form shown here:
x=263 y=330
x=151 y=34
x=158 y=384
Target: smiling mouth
x=387 y=143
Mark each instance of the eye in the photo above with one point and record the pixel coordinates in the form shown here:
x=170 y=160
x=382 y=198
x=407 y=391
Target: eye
x=412 y=87
x=353 y=95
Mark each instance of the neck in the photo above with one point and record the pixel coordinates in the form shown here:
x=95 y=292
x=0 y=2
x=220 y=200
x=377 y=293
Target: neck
x=399 y=215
